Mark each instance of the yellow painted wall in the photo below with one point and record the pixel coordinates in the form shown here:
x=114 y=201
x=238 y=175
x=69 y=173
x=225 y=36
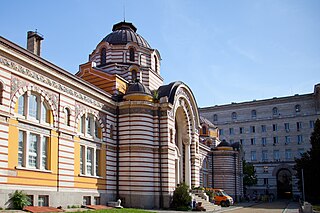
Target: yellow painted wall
x=13 y=144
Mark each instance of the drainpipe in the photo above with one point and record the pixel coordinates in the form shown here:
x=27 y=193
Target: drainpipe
x=118 y=150
x=235 y=177
x=160 y=161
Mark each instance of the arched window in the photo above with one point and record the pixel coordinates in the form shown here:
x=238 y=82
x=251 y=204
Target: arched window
x=297 y=108
x=155 y=63
x=131 y=53
x=275 y=111
x=134 y=75
x=1 y=92
x=254 y=113
x=67 y=116
x=89 y=126
x=204 y=130
x=215 y=117
x=103 y=56
x=234 y=116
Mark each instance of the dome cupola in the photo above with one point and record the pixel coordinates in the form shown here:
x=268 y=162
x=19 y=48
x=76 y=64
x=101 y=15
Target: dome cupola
x=123 y=33
x=138 y=92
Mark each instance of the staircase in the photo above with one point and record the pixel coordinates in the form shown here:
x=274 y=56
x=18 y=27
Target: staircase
x=210 y=207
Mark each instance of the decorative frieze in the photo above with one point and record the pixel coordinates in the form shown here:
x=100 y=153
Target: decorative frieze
x=49 y=82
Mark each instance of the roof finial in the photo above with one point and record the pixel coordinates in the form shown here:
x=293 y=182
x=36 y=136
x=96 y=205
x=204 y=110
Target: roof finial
x=124 y=11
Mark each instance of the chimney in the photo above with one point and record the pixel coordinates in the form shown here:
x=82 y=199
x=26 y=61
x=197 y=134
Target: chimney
x=34 y=42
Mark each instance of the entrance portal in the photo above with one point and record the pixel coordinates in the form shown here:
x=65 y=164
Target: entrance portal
x=284 y=184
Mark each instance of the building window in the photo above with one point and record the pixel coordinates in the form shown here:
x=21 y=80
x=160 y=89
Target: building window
x=34 y=107
x=287 y=139
x=241 y=129
x=264 y=155
x=276 y=155
x=134 y=75
x=155 y=63
x=253 y=113
x=231 y=131
x=275 y=111
x=252 y=129
x=89 y=126
x=287 y=127
x=97 y=201
x=103 y=56
x=300 y=152
x=265 y=181
x=275 y=127
x=288 y=154
x=131 y=54
x=67 y=116
x=234 y=116
x=300 y=139
x=253 y=141
x=253 y=156
x=89 y=161
x=265 y=169
x=264 y=141
x=311 y=124
x=275 y=140
x=299 y=126
x=86 y=200
x=221 y=132
x=32 y=150
x=31 y=200
x=215 y=117
x=204 y=130
x=297 y=108
x=242 y=141
x=263 y=128
x=43 y=200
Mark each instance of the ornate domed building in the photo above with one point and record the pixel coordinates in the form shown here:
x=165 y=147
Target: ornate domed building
x=111 y=131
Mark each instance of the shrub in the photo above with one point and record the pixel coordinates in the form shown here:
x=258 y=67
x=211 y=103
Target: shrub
x=181 y=198
x=18 y=200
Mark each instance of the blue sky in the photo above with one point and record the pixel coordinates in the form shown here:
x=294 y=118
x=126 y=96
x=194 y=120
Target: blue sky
x=226 y=51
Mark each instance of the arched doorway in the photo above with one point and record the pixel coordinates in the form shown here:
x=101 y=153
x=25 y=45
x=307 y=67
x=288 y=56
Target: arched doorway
x=182 y=142
x=284 y=184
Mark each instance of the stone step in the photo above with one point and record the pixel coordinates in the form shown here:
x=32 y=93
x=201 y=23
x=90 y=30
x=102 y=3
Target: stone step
x=207 y=205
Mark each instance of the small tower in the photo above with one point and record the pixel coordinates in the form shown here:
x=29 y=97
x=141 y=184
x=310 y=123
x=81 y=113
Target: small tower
x=34 y=42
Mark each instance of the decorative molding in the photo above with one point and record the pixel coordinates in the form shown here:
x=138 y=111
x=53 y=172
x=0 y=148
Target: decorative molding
x=38 y=77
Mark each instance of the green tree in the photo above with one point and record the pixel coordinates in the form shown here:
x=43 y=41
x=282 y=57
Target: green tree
x=18 y=200
x=181 y=198
x=309 y=162
x=249 y=175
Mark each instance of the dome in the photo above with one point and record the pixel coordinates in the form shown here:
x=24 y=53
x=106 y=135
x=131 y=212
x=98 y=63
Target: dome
x=224 y=143
x=125 y=32
x=138 y=87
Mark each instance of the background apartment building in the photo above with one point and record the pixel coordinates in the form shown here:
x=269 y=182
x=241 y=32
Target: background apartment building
x=272 y=132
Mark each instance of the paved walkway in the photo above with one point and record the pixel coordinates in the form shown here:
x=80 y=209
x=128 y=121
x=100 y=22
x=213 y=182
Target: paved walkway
x=252 y=207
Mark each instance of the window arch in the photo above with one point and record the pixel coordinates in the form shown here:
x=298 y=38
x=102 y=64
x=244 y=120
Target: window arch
x=254 y=113
x=297 y=108
x=234 y=116
x=131 y=54
x=1 y=92
x=33 y=106
x=89 y=126
x=67 y=115
x=103 y=56
x=275 y=111
x=215 y=117
x=155 y=63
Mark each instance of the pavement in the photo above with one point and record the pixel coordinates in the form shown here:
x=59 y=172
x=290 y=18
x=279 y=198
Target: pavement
x=281 y=206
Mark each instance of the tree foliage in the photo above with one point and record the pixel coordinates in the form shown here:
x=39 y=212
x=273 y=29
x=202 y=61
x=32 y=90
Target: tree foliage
x=249 y=175
x=181 y=198
x=18 y=200
x=309 y=162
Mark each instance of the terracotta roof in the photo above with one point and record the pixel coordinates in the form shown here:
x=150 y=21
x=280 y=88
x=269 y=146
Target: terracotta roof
x=41 y=209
